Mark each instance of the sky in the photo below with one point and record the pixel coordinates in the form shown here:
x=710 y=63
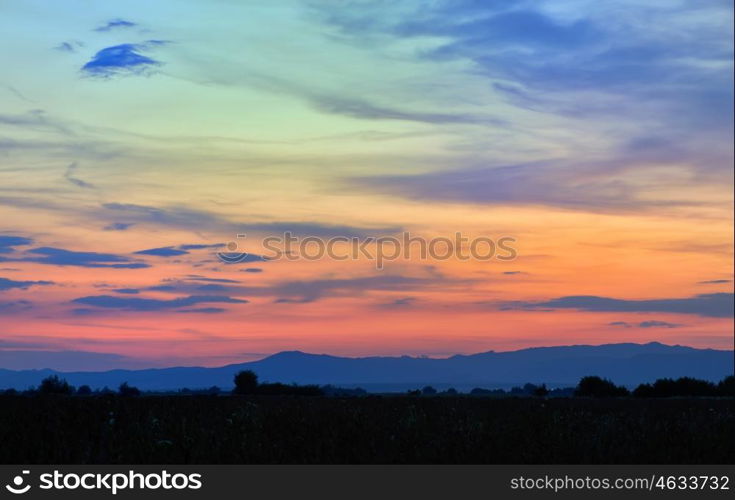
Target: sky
x=139 y=139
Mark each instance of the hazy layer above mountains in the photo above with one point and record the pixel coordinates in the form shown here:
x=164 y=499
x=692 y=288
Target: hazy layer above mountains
x=628 y=364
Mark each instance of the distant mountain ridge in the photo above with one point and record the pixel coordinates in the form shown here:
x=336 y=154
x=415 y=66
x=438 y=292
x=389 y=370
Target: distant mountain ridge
x=625 y=363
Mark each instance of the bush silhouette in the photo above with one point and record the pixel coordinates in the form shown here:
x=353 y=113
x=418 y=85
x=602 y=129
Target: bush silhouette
x=84 y=390
x=246 y=382
x=541 y=391
x=428 y=391
x=55 y=385
x=127 y=390
x=597 y=387
x=684 y=386
x=278 y=389
x=726 y=387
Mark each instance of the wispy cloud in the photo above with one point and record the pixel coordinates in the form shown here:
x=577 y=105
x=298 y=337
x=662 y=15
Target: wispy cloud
x=118 y=226
x=63 y=257
x=69 y=175
x=658 y=324
x=7 y=284
x=305 y=291
x=7 y=243
x=645 y=324
x=718 y=305
x=146 y=304
x=187 y=218
x=556 y=183
x=175 y=251
x=114 y=24
x=69 y=46
x=365 y=110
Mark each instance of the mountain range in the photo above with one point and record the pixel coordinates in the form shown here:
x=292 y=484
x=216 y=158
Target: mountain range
x=626 y=364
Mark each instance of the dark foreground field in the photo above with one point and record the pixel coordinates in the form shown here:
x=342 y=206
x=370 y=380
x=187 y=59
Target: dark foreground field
x=202 y=429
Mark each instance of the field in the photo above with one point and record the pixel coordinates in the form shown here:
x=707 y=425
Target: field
x=396 y=429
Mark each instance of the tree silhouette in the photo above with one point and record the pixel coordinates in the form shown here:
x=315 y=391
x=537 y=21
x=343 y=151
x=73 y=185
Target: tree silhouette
x=541 y=391
x=246 y=382
x=55 y=385
x=428 y=391
x=597 y=387
x=726 y=387
x=684 y=386
x=84 y=390
x=127 y=390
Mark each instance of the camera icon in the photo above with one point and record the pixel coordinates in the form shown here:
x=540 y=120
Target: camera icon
x=17 y=487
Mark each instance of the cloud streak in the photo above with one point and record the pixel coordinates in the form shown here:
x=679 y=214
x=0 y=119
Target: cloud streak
x=115 y=24
x=716 y=305
x=62 y=257
x=7 y=284
x=186 y=218
x=149 y=305
x=69 y=175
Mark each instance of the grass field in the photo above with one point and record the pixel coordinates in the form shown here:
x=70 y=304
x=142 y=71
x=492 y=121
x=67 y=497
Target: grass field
x=396 y=429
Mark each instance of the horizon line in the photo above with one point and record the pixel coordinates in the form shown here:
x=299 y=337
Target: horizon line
x=294 y=351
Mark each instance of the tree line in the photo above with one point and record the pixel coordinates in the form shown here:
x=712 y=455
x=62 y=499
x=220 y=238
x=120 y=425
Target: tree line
x=247 y=384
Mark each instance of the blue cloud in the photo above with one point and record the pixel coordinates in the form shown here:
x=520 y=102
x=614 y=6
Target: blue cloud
x=624 y=324
x=200 y=246
x=196 y=277
x=646 y=324
x=717 y=305
x=403 y=302
x=7 y=284
x=203 y=310
x=62 y=257
x=127 y=291
x=186 y=218
x=118 y=226
x=524 y=27
x=357 y=108
x=570 y=185
x=124 y=59
x=15 y=306
x=141 y=304
x=8 y=242
x=298 y=292
x=116 y=24
x=175 y=251
x=658 y=324
x=163 y=252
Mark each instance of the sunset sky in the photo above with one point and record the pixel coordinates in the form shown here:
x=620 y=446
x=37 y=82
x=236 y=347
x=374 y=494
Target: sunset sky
x=137 y=138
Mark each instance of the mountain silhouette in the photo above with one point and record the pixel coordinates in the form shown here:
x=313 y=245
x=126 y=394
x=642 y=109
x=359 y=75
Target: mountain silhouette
x=626 y=364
